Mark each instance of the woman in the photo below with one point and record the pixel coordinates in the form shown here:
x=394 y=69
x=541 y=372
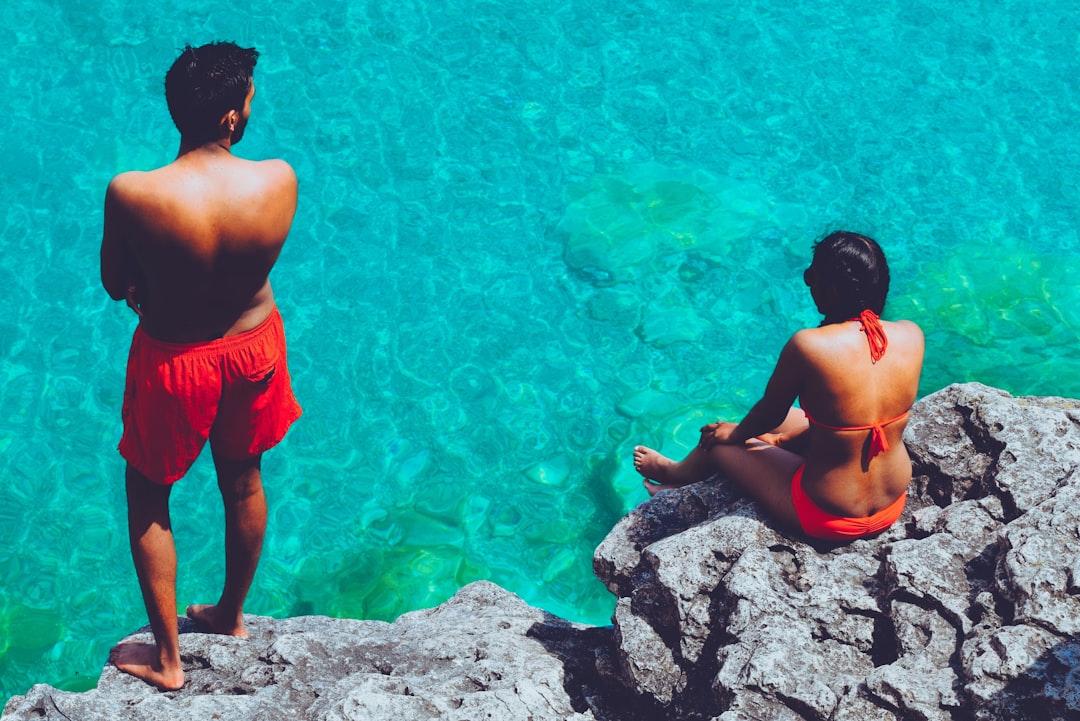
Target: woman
x=838 y=468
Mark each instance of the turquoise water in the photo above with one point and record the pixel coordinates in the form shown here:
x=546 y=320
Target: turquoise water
x=531 y=235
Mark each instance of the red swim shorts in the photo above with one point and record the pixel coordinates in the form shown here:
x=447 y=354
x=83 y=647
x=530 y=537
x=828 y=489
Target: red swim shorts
x=821 y=524
x=234 y=391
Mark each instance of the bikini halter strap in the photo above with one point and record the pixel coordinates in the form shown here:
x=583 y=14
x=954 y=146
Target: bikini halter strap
x=875 y=334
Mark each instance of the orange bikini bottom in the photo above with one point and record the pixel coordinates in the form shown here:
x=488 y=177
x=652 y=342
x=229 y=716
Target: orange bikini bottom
x=821 y=524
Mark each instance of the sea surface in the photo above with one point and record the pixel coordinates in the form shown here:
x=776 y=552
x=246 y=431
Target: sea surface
x=531 y=234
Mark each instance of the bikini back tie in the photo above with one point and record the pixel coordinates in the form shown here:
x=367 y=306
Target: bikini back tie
x=879 y=443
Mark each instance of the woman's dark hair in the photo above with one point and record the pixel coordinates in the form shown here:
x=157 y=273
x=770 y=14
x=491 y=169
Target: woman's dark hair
x=855 y=265
x=205 y=83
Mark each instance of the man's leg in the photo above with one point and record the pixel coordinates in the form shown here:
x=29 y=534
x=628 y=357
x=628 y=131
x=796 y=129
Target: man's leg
x=241 y=488
x=154 y=553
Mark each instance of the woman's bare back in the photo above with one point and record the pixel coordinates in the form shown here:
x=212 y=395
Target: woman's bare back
x=845 y=392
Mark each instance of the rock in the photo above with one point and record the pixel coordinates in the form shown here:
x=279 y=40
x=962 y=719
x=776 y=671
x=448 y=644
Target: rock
x=484 y=654
x=967 y=608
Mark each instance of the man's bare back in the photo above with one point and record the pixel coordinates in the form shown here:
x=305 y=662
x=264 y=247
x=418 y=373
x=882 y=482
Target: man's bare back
x=197 y=239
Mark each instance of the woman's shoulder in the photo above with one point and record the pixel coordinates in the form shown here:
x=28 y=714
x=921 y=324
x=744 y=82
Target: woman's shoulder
x=904 y=327
x=827 y=340
x=810 y=342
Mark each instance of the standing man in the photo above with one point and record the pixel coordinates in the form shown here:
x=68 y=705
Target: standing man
x=190 y=247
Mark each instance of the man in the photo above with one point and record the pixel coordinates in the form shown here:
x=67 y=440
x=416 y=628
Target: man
x=190 y=247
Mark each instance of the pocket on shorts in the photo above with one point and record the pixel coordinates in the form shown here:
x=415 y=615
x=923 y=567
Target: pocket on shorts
x=262 y=377
x=256 y=367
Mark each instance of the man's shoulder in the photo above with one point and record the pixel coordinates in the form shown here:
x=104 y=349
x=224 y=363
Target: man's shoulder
x=127 y=180
x=274 y=169
x=273 y=163
x=134 y=183
x=127 y=188
x=274 y=181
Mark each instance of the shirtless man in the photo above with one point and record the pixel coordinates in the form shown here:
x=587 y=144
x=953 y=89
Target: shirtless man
x=190 y=246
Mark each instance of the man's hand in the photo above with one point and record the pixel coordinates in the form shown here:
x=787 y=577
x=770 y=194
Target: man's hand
x=133 y=300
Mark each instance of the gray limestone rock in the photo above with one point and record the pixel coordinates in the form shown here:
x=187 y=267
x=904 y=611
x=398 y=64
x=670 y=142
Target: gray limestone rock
x=484 y=654
x=967 y=609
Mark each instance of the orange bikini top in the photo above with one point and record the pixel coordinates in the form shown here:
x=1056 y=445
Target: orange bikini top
x=875 y=336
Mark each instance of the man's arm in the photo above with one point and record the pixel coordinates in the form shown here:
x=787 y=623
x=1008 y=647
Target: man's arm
x=286 y=198
x=118 y=269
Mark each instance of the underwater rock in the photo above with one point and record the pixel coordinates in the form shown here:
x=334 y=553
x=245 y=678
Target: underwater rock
x=968 y=607
x=642 y=221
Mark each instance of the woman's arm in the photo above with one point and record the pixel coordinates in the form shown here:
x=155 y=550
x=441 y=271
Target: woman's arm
x=794 y=439
x=768 y=413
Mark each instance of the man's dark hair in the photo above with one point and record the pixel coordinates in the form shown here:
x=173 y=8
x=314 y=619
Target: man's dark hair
x=204 y=84
x=855 y=265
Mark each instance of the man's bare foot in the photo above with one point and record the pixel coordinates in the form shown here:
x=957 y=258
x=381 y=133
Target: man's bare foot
x=207 y=616
x=654 y=467
x=142 y=660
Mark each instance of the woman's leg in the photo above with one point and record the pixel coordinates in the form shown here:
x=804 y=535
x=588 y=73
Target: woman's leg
x=794 y=423
x=697 y=466
x=700 y=464
x=790 y=433
x=763 y=472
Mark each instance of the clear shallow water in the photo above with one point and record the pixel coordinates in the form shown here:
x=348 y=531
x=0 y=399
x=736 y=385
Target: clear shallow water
x=531 y=235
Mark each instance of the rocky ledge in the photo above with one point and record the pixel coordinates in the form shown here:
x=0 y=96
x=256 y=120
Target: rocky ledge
x=968 y=608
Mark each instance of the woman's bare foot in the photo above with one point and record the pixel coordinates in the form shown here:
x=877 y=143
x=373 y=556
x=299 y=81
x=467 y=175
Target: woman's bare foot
x=208 y=616
x=143 y=660
x=654 y=467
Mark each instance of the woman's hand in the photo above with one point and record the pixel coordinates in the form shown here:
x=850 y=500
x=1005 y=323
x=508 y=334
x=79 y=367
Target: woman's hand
x=716 y=433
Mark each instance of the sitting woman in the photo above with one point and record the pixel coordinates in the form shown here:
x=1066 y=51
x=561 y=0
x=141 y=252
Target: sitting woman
x=838 y=468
